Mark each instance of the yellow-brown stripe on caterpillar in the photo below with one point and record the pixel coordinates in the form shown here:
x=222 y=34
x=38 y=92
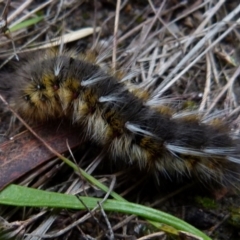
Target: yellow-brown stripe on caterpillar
x=53 y=85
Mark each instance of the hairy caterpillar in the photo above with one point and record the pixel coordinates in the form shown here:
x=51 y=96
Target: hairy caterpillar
x=50 y=85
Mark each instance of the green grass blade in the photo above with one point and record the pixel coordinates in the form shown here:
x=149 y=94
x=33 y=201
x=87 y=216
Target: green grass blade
x=22 y=196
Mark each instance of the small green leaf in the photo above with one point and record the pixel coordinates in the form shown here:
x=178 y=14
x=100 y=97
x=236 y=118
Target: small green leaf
x=26 y=23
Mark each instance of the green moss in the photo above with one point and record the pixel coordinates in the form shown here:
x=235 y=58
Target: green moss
x=207 y=203
x=234 y=218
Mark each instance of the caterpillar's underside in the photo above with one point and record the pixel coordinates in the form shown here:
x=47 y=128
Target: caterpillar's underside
x=52 y=85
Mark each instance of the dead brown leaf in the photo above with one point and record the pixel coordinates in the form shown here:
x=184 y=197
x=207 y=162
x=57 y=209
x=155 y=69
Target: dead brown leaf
x=25 y=152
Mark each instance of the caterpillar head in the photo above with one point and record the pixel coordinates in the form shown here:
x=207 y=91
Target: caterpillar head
x=41 y=88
